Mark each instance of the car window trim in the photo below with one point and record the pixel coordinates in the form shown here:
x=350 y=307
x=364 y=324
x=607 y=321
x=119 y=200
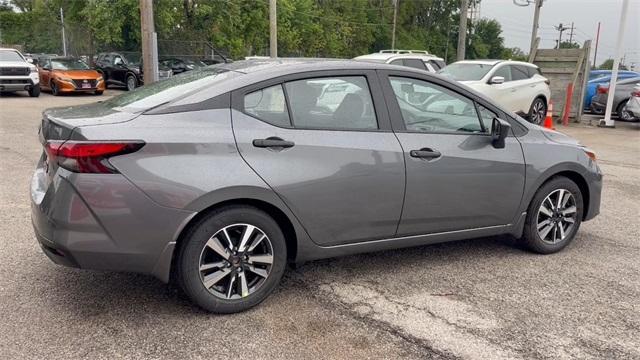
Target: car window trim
x=395 y=113
x=375 y=89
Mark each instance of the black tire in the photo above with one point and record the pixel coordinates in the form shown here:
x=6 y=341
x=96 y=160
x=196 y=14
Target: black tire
x=98 y=92
x=189 y=274
x=537 y=111
x=531 y=237
x=54 y=89
x=34 y=91
x=131 y=82
x=623 y=115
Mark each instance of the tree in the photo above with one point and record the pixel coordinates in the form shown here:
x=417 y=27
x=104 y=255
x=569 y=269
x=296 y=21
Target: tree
x=608 y=65
x=515 y=53
x=486 y=41
x=569 y=45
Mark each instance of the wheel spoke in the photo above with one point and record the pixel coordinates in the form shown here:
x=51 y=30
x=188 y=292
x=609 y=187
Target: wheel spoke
x=569 y=210
x=561 y=230
x=545 y=210
x=215 y=277
x=565 y=200
x=219 y=264
x=231 y=284
x=261 y=272
x=244 y=288
x=544 y=232
x=248 y=231
x=560 y=196
x=215 y=245
x=256 y=242
x=542 y=224
x=261 y=259
x=569 y=220
x=227 y=238
x=554 y=232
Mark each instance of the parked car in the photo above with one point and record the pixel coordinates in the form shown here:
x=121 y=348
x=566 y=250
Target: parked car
x=116 y=69
x=178 y=66
x=598 y=77
x=516 y=85
x=220 y=176
x=17 y=74
x=620 y=98
x=633 y=105
x=68 y=75
x=419 y=59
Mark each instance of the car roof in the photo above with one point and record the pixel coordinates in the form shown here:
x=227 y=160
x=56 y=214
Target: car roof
x=494 y=62
x=386 y=56
x=294 y=65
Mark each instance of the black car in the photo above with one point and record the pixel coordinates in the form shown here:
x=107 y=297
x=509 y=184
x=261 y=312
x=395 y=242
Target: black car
x=178 y=66
x=121 y=70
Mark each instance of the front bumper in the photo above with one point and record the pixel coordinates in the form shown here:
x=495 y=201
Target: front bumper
x=595 y=194
x=15 y=83
x=71 y=86
x=103 y=222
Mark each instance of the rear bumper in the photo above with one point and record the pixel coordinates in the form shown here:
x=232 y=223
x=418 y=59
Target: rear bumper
x=103 y=222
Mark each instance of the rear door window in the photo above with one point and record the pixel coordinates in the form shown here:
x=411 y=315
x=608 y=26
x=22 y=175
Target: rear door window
x=415 y=63
x=519 y=72
x=331 y=103
x=268 y=105
x=505 y=72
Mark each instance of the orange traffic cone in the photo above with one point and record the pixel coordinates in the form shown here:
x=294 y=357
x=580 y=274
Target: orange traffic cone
x=548 y=121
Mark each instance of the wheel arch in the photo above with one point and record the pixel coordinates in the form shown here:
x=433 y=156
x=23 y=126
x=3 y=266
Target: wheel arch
x=572 y=175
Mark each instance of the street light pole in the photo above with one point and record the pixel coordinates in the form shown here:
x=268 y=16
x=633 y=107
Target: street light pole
x=64 y=40
x=607 y=121
x=536 y=19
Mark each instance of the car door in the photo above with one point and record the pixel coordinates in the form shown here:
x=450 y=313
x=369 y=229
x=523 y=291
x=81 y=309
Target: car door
x=456 y=179
x=525 y=88
x=118 y=68
x=327 y=149
x=45 y=73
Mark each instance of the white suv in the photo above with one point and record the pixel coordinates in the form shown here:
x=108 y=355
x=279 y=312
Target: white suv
x=16 y=73
x=516 y=85
x=419 y=59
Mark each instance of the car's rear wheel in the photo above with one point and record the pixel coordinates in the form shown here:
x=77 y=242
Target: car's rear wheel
x=98 y=92
x=537 y=111
x=34 y=91
x=131 y=82
x=232 y=259
x=554 y=216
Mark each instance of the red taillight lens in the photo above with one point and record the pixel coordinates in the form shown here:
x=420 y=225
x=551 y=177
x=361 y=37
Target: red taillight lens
x=636 y=93
x=603 y=90
x=89 y=156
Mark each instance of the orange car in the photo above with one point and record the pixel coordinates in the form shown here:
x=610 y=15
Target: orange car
x=65 y=75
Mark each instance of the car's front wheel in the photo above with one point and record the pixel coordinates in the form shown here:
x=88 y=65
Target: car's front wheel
x=538 y=111
x=34 y=91
x=232 y=259
x=622 y=114
x=554 y=216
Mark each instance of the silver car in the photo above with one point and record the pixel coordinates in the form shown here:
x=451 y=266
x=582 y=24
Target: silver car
x=219 y=177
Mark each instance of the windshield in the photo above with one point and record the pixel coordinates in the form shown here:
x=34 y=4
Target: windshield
x=9 y=55
x=161 y=92
x=466 y=71
x=68 y=64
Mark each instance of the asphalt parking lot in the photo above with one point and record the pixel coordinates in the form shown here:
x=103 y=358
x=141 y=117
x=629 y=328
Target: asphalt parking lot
x=477 y=299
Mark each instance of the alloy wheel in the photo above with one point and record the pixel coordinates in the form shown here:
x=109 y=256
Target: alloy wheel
x=556 y=216
x=131 y=83
x=538 y=112
x=236 y=261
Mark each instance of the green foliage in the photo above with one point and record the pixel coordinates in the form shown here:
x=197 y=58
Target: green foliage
x=569 y=45
x=608 y=65
x=312 y=28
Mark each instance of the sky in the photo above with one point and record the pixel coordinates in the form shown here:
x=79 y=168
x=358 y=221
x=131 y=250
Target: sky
x=517 y=23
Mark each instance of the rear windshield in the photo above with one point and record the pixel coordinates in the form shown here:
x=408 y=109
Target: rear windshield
x=9 y=55
x=466 y=72
x=162 y=92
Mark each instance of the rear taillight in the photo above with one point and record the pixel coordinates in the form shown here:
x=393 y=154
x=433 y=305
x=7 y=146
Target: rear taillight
x=635 y=93
x=89 y=156
x=603 y=90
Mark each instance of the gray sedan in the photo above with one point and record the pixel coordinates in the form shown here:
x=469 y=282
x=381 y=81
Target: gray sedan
x=620 y=98
x=219 y=177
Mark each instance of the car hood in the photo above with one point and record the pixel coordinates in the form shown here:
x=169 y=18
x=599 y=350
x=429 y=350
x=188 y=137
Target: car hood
x=79 y=74
x=16 y=64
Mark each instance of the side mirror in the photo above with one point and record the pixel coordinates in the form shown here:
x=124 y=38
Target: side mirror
x=496 y=80
x=30 y=60
x=499 y=131
x=46 y=68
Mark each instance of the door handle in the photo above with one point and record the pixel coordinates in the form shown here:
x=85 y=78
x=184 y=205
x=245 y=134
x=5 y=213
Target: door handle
x=272 y=142
x=425 y=153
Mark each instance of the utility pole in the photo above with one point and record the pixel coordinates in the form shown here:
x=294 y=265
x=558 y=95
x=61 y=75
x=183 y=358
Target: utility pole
x=462 y=31
x=64 y=39
x=607 y=121
x=595 y=53
x=571 y=34
x=560 y=28
x=149 y=51
x=273 y=29
x=393 y=32
x=536 y=20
